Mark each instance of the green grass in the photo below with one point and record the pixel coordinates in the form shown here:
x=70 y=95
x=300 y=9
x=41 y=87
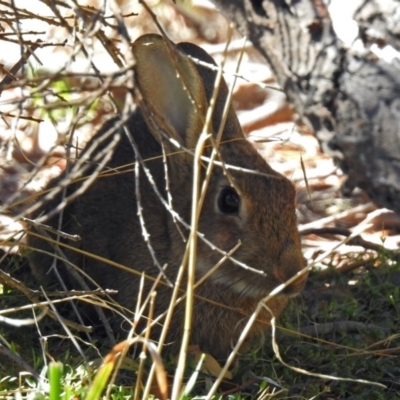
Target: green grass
x=344 y=354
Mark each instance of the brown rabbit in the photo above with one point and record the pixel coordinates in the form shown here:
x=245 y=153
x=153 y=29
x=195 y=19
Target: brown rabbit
x=250 y=203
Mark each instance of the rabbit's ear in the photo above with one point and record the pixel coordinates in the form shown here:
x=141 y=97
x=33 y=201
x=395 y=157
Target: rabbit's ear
x=173 y=96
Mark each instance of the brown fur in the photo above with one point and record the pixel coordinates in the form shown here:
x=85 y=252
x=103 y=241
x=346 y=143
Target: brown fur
x=105 y=216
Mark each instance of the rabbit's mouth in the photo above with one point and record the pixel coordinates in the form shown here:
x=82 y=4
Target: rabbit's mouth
x=296 y=286
x=255 y=286
x=297 y=280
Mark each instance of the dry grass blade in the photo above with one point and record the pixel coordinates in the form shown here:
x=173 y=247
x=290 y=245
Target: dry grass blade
x=322 y=376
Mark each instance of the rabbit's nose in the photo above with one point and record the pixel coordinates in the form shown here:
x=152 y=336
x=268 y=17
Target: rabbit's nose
x=291 y=262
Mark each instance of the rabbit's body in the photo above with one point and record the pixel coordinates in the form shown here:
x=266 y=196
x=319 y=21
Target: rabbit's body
x=261 y=216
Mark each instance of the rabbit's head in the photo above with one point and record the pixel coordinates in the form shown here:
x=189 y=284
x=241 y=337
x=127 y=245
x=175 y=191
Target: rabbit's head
x=247 y=202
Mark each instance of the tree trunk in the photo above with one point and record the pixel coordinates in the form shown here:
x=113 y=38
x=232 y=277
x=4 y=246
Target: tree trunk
x=351 y=101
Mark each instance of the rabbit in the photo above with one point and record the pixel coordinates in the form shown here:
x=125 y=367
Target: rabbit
x=247 y=202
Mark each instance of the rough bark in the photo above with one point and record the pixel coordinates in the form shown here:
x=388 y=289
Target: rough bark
x=351 y=101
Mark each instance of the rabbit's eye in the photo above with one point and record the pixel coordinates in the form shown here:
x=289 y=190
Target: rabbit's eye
x=228 y=201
